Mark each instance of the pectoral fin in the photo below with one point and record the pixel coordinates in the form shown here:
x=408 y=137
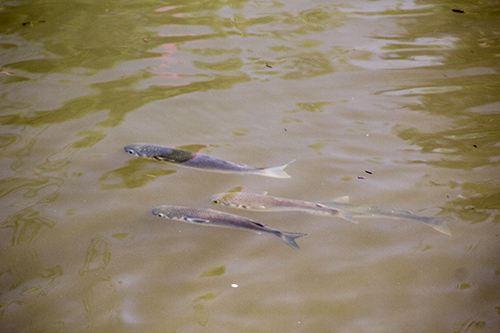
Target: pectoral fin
x=196 y=220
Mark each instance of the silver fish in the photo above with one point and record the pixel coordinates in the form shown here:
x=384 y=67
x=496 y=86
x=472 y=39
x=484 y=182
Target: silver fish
x=212 y=217
x=200 y=161
x=438 y=223
x=255 y=201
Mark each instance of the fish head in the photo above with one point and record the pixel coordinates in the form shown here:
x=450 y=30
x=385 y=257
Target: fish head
x=225 y=198
x=171 y=212
x=217 y=198
x=136 y=149
x=222 y=199
x=162 y=211
x=230 y=202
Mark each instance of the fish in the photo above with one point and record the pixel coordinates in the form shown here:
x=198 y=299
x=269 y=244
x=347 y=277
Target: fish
x=256 y=201
x=438 y=223
x=210 y=217
x=200 y=161
x=338 y=207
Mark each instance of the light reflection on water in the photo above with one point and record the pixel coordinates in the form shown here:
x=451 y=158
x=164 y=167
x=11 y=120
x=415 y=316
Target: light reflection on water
x=406 y=90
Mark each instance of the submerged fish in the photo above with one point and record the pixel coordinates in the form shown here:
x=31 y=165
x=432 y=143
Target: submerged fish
x=212 y=217
x=438 y=223
x=200 y=161
x=255 y=201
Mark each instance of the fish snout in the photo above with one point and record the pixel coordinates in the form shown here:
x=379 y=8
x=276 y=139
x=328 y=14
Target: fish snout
x=216 y=199
x=131 y=151
x=158 y=213
x=135 y=149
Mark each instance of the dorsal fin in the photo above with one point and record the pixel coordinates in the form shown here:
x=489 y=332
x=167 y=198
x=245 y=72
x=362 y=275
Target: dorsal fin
x=194 y=148
x=344 y=199
x=229 y=195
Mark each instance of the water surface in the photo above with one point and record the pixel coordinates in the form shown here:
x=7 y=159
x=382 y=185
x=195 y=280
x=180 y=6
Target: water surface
x=406 y=90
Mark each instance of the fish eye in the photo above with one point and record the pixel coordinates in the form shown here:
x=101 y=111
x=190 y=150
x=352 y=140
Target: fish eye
x=215 y=201
x=130 y=152
x=160 y=215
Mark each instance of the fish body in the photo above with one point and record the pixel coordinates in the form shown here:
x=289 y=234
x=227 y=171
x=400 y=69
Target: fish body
x=256 y=201
x=210 y=217
x=438 y=223
x=200 y=161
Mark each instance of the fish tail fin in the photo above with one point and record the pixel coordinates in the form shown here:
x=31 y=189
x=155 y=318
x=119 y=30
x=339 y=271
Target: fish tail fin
x=289 y=238
x=347 y=216
x=276 y=171
x=440 y=224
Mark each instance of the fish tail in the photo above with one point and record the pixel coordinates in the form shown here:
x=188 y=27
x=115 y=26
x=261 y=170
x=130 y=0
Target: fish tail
x=289 y=238
x=276 y=171
x=440 y=224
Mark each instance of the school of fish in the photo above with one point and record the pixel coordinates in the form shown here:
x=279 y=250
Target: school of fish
x=260 y=202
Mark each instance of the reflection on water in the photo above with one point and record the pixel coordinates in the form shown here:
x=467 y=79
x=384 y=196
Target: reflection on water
x=134 y=175
x=25 y=226
x=406 y=89
x=310 y=107
x=472 y=144
x=216 y=271
x=305 y=65
x=99 y=299
x=7 y=139
x=201 y=316
x=97 y=258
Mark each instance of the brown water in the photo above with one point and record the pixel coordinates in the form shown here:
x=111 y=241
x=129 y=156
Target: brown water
x=409 y=91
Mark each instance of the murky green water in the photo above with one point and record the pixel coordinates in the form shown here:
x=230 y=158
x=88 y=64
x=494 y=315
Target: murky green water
x=409 y=91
